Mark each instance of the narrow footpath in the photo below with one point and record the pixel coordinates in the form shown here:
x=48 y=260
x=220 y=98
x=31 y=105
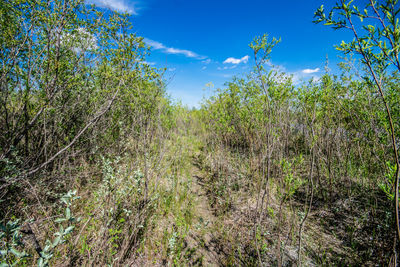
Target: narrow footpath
x=202 y=236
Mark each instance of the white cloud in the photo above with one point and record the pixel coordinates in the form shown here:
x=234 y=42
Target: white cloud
x=309 y=71
x=233 y=60
x=117 y=5
x=172 y=69
x=187 y=53
x=170 y=50
x=204 y=67
x=207 y=61
x=227 y=68
x=156 y=45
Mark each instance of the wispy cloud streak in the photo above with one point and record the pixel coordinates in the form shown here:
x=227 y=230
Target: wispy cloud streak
x=117 y=5
x=232 y=60
x=171 y=50
x=309 y=71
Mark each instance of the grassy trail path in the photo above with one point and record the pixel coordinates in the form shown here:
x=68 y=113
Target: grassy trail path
x=202 y=235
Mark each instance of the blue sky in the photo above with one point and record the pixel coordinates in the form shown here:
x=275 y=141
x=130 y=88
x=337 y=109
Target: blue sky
x=207 y=41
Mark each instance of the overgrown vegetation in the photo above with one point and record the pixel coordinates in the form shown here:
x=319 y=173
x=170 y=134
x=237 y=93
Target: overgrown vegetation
x=98 y=167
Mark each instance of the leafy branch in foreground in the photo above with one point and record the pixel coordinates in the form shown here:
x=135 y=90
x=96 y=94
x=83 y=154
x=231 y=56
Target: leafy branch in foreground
x=377 y=41
x=11 y=234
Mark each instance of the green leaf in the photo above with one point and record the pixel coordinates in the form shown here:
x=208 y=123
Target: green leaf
x=59 y=220
x=69 y=229
x=56 y=241
x=67 y=213
x=16 y=252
